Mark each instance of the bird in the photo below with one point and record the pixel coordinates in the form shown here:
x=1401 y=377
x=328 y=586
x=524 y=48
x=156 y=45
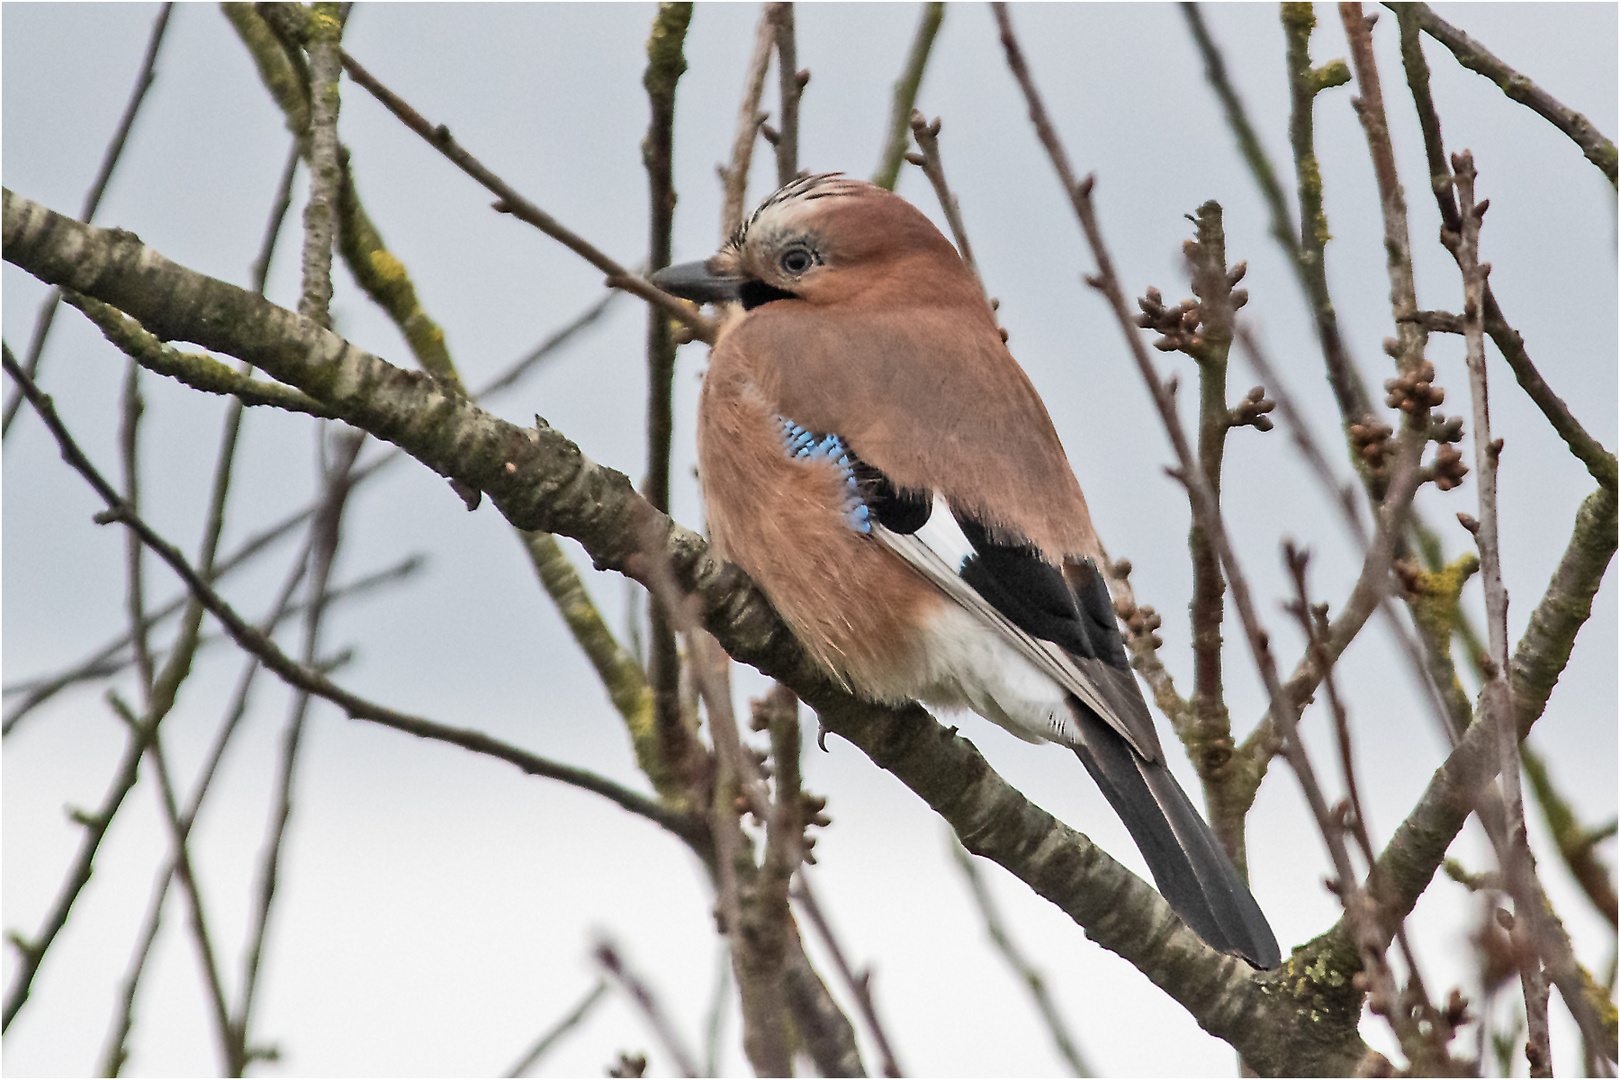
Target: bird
x=876 y=461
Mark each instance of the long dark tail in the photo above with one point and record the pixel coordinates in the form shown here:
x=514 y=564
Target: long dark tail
x=1188 y=864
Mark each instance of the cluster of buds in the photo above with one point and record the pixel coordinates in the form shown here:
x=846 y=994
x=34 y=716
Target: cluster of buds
x=1251 y=411
x=1141 y=622
x=1445 y=429
x=1370 y=438
x=1178 y=326
x=1448 y=468
x=1414 y=393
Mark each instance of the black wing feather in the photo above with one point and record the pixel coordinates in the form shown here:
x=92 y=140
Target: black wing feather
x=1189 y=866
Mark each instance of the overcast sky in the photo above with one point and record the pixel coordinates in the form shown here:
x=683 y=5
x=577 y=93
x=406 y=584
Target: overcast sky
x=437 y=911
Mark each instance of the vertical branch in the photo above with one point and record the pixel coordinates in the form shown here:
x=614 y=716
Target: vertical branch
x=665 y=63
x=1217 y=308
x=325 y=533
x=98 y=187
x=755 y=917
x=734 y=178
x=135 y=583
x=1497 y=693
x=326 y=171
x=1369 y=107
x=792 y=83
x=324 y=28
x=1309 y=253
x=905 y=96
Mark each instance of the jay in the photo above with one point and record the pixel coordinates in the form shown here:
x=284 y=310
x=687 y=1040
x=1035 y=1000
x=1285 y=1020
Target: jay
x=875 y=459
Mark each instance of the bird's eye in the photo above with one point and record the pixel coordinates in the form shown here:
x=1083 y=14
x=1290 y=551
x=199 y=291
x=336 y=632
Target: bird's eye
x=797 y=260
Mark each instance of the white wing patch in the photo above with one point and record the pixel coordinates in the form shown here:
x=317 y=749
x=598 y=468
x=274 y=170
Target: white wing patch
x=937 y=551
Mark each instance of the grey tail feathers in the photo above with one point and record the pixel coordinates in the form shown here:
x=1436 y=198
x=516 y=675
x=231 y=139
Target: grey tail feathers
x=1191 y=869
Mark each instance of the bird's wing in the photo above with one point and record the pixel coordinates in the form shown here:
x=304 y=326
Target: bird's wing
x=1069 y=636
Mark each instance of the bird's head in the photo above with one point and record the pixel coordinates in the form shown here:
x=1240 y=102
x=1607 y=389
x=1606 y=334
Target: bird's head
x=820 y=240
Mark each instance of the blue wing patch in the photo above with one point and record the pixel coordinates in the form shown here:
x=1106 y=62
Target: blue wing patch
x=805 y=445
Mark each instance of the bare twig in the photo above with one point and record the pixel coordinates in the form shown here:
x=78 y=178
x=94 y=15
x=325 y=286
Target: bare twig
x=553 y=1034
x=98 y=187
x=926 y=133
x=790 y=85
x=1475 y=57
x=1599 y=461
x=859 y=983
x=1026 y=972
x=304 y=678
x=325 y=534
x=117 y=1043
x=734 y=177
x=607 y=955
x=1577 y=845
x=509 y=201
x=1497 y=692
x=32 y=950
x=665 y=62
x=1309 y=252
x=135 y=579
x=1397 y=239
x=1411 y=1016
x=905 y=96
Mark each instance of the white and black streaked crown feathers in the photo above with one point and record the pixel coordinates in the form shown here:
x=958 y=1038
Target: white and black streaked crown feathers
x=805 y=188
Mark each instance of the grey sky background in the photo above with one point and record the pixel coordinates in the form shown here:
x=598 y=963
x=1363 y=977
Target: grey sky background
x=437 y=910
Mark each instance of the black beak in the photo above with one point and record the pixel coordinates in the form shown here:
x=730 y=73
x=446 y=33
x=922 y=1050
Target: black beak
x=697 y=282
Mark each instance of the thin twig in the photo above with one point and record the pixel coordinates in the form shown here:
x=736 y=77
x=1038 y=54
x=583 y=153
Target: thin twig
x=135 y=579
x=1369 y=107
x=607 y=955
x=1497 y=693
x=31 y=951
x=509 y=201
x=734 y=177
x=1027 y=973
x=905 y=96
x=40 y=690
x=1475 y=57
x=1309 y=252
x=117 y=1043
x=554 y=1034
x=179 y=833
x=325 y=534
x=1425 y=1048
x=927 y=158
x=1599 y=461
x=665 y=63
x=98 y=187
x=858 y=983
x=790 y=86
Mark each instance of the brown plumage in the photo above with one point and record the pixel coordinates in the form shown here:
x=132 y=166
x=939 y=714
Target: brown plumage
x=873 y=456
